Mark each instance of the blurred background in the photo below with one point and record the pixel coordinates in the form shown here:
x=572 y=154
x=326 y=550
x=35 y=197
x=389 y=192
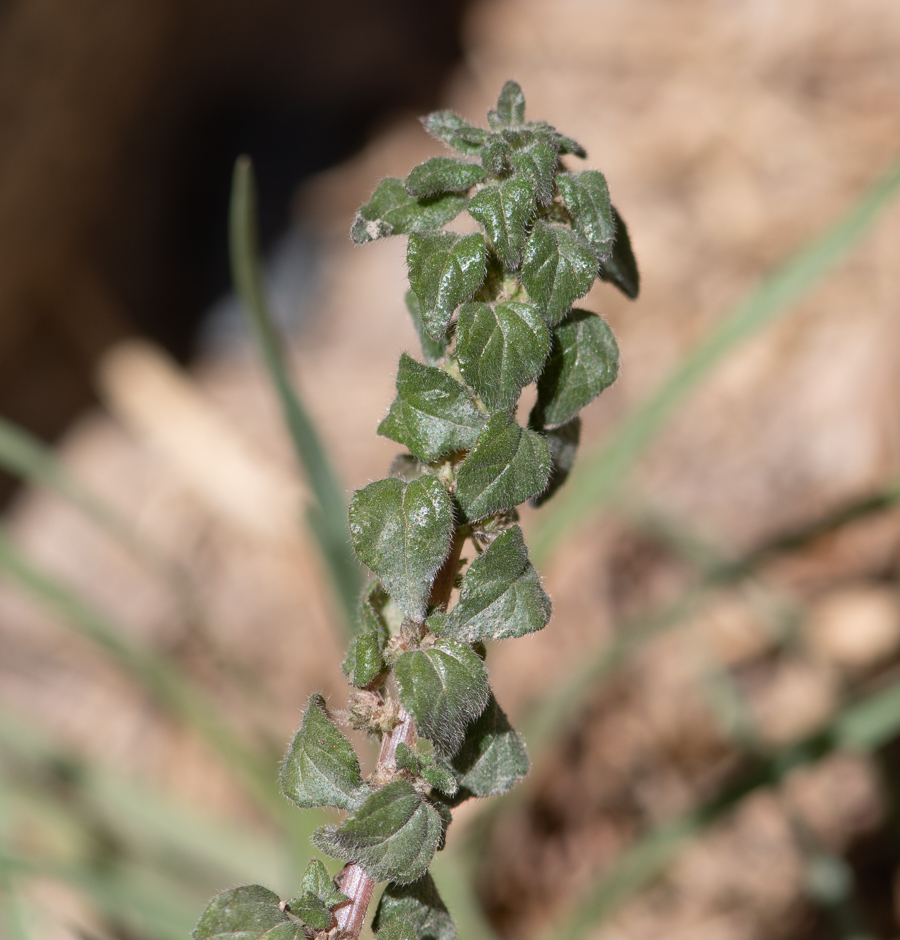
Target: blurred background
x=713 y=714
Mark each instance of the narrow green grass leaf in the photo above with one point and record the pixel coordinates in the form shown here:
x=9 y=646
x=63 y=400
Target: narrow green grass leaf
x=328 y=519
x=594 y=481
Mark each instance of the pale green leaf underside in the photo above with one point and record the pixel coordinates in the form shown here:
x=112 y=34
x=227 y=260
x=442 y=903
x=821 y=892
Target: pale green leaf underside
x=402 y=531
x=246 y=913
x=321 y=767
x=433 y=414
x=420 y=905
x=492 y=759
x=393 y=835
x=501 y=349
x=501 y=595
x=583 y=362
x=453 y=130
x=507 y=466
x=443 y=687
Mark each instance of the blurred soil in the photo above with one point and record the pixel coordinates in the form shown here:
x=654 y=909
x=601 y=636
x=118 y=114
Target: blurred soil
x=730 y=134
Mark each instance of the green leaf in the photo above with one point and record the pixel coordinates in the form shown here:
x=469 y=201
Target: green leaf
x=586 y=196
x=505 y=211
x=444 y=271
x=501 y=595
x=398 y=929
x=328 y=518
x=312 y=911
x=246 y=913
x=402 y=531
x=420 y=905
x=559 y=142
x=453 y=130
x=537 y=160
x=507 y=466
x=433 y=414
x=501 y=349
x=510 y=110
x=435 y=772
x=621 y=267
x=318 y=882
x=558 y=267
x=392 y=211
x=443 y=175
x=583 y=362
x=492 y=759
x=563 y=442
x=393 y=835
x=443 y=687
x=496 y=155
x=364 y=661
x=432 y=349
x=321 y=768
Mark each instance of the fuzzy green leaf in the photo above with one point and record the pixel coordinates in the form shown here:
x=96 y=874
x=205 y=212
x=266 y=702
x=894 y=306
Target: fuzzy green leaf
x=501 y=349
x=563 y=442
x=453 y=130
x=586 y=196
x=537 y=161
x=312 y=911
x=584 y=360
x=558 y=267
x=621 y=268
x=433 y=414
x=393 y=835
x=507 y=466
x=510 y=111
x=496 y=155
x=501 y=595
x=400 y=928
x=246 y=913
x=492 y=759
x=392 y=211
x=443 y=687
x=321 y=767
x=434 y=771
x=420 y=905
x=559 y=142
x=505 y=211
x=364 y=661
x=444 y=271
x=318 y=882
x=432 y=349
x=443 y=175
x=402 y=531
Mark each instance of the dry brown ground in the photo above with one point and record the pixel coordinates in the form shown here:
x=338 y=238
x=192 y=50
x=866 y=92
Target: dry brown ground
x=730 y=133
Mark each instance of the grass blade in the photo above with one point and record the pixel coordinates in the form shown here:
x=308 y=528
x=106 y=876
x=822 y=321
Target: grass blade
x=595 y=479
x=328 y=520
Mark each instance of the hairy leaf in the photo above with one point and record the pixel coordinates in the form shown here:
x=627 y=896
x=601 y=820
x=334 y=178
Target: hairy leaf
x=501 y=595
x=444 y=271
x=392 y=211
x=246 y=913
x=453 y=130
x=443 y=175
x=563 y=442
x=558 y=267
x=496 y=155
x=621 y=268
x=537 y=161
x=321 y=767
x=432 y=349
x=505 y=211
x=433 y=414
x=420 y=905
x=510 y=111
x=399 y=928
x=560 y=142
x=402 y=531
x=501 y=349
x=434 y=771
x=317 y=898
x=393 y=835
x=311 y=910
x=492 y=759
x=586 y=196
x=364 y=661
x=584 y=360
x=443 y=687
x=507 y=466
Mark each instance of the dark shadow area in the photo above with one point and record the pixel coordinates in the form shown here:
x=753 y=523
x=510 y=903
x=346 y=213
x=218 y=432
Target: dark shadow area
x=121 y=124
